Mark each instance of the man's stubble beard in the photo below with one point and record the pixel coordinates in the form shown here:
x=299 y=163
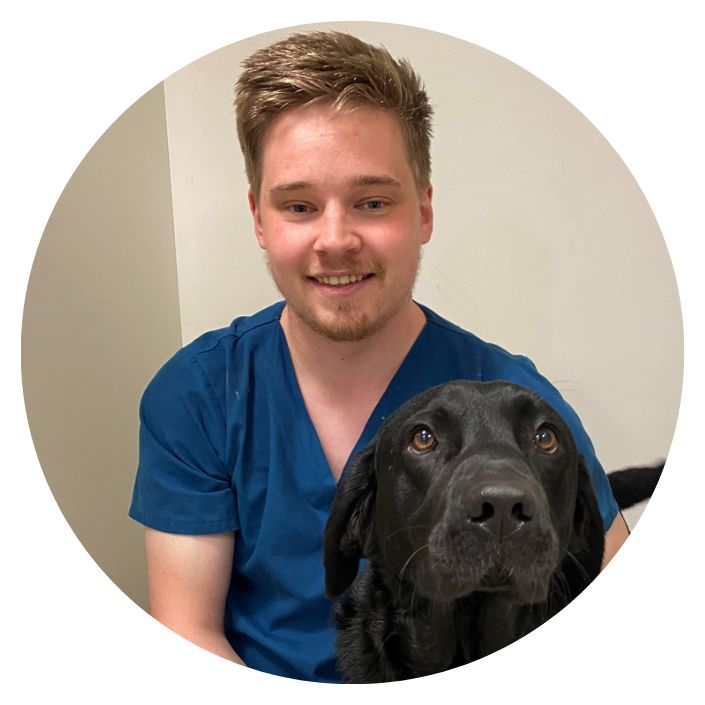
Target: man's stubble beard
x=341 y=326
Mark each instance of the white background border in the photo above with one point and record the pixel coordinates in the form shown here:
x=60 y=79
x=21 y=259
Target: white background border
x=70 y=68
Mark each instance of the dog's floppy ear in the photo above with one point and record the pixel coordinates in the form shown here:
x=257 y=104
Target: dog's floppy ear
x=587 y=544
x=349 y=525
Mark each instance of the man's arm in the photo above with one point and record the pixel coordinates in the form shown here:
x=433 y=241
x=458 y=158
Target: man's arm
x=188 y=583
x=614 y=538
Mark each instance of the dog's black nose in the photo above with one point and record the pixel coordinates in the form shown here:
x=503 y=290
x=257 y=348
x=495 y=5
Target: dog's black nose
x=500 y=508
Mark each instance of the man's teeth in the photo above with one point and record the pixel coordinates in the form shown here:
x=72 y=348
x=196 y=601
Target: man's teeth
x=340 y=281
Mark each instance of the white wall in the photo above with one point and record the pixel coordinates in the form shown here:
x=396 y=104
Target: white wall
x=543 y=241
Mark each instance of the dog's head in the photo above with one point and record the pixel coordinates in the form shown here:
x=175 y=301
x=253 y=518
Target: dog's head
x=469 y=487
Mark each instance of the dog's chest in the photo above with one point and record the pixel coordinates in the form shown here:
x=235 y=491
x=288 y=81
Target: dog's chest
x=387 y=632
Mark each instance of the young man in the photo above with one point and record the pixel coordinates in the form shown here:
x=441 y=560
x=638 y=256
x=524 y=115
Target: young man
x=245 y=432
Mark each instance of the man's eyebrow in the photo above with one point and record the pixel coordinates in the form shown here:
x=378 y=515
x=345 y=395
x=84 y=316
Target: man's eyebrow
x=290 y=186
x=363 y=180
x=373 y=180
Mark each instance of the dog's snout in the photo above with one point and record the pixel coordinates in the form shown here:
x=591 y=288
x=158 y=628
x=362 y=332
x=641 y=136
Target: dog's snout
x=500 y=508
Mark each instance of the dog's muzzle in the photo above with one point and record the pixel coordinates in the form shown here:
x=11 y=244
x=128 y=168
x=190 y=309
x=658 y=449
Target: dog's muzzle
x=495 y=533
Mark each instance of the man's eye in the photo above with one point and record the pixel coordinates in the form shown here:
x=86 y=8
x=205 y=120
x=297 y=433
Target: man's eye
x=299 y=208
x=374 y=204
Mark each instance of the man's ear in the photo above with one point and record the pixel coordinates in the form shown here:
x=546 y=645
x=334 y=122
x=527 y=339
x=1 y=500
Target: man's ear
x=349 y=525
x=256 y=218
x=426 y=206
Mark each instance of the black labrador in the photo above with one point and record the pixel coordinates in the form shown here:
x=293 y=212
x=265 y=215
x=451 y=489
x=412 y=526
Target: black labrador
x=478 y=521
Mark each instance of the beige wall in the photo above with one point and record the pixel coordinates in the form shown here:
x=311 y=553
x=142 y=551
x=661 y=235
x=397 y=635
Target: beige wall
x=543 y=243
x=101 y=315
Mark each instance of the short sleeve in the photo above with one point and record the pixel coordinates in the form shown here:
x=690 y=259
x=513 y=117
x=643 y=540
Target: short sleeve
x=182 y=485
x=525 y=373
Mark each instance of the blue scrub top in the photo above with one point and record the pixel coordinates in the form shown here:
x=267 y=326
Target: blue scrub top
x=226 y=444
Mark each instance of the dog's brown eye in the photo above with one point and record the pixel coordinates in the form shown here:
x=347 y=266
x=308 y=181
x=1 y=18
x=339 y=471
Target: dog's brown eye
x=422 y=440
x=546 y=439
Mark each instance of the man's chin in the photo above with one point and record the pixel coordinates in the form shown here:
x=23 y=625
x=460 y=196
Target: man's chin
x=344 y=330
x=341 y=325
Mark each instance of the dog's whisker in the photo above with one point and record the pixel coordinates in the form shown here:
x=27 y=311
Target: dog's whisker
x=413 y=596
x=578 y=565
x=559 y=589
x=405 y=566
x=410 y=558
x=406 y=528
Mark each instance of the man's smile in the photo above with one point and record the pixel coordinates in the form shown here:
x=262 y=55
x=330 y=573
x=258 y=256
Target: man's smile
x=338 y=280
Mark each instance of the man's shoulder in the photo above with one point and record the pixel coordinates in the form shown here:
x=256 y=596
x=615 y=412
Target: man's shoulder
x=205 y=359
x=240 y=328
x=492 y=357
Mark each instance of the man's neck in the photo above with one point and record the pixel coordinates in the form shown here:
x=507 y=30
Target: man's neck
x=343 y=364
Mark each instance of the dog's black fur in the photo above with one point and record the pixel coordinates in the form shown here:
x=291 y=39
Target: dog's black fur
x=633 y=485
x=478 y=521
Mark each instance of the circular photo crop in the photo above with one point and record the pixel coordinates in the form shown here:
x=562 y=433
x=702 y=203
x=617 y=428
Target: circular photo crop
x=358 y=344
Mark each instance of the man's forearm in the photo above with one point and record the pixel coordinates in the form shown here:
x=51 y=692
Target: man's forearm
x=614 y=538
x=214 y=642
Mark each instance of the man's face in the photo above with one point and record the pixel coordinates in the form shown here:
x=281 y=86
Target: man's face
x=341 y=218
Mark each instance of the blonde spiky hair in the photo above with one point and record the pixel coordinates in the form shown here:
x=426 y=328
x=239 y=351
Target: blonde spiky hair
x=334 y=67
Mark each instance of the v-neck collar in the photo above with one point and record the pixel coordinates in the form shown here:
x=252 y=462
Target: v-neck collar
x=392 y=397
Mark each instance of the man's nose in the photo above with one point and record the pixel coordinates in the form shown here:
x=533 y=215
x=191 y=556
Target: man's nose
x=336 y=232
